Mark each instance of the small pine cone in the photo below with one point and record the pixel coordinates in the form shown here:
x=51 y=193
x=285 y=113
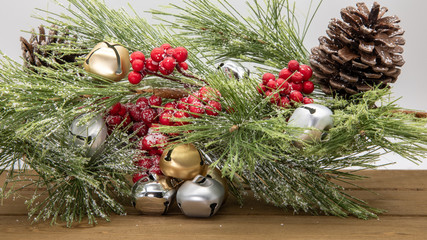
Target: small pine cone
x=361 y=51
x=35 y=49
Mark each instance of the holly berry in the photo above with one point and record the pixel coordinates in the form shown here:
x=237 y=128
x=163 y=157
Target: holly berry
x=296 y=96
x=297 y=77
x=215 y=105
x=165 y=118
x=306 y=71
x=115 y=109
x=168 y=63
x=170 y=106
x=148 y=116
x=182 y=104
x=151 y=65
x=181 y=114
x=157 y=54
x=140 y=128
x=293 y=65
x=144 y=163
x=137 y=56
x=261 y=88
x=284 y=102
x=164 y=70
x=134 y=77
x=208 y=93
x=307 y=100
x=165 y=46
x=272 y=84
x=296 y=86
x=282 y=83
x=307 y=87
x=275 y=99
x=135 y=114
x=142 y=103
x=170 y=52
x=155 y=101
x=267 y=77
x=285 y=73
x=113 y=120
x=123 y=110
x=183 y=65
x=211 y=111
x=180 y=54
x=137 y=65
x=197 y=108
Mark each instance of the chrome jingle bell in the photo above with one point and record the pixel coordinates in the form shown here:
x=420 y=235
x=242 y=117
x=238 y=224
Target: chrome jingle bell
x=315 y=116
x=151 y=196
x=201 y=197
x=234 y=70
x=92 y=134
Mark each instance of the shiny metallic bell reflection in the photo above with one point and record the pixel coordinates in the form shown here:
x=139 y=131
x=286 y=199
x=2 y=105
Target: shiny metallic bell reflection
x=234 y=69
x=150 y=195
x=201 y=197
x=109 y=60
x=182 y=161
x=91 y=134
x=314 y=116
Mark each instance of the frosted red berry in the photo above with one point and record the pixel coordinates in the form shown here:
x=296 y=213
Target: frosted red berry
x=113 y=120
x=155 y=101
x=293 y=65
x=137 y=65
x=211 y=111
x=275 y=99
x=307 y=87
x=307 y=100
x=297 y=77
x=182 y=104
x=115 y=109
x=306 y=71
x=261 y=88
x=135 y=114
x=180 y=54
x=296 y=86
x=157 y=54
x=134 y=77
x=285 y=73
x=267 y=77
x=148 y=116
x=296 y=96
x=215 y=105
x=137 y=176
x=137 y=56
x=164 y=70
x=170 y=51
x=170 y=106
x=183 y=65
x=168 y=63
x=155 y=170
x=272 y=84
x=145 y=163
x=165 y=46
x=165 y=118
x=140 y=129
x=142 y=103
x=197 y=108
x=151 y=65
x=123 y=111
x=284 y=102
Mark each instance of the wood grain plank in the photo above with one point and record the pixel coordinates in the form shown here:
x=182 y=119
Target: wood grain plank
x=221 y=227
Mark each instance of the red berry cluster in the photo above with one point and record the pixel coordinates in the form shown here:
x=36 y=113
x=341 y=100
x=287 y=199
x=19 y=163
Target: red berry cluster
x=143 y=115
x=205 y=101
x=290 y=86
x=163 y=59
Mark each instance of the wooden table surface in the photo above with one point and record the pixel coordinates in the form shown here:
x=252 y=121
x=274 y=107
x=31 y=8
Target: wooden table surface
x=402 y=193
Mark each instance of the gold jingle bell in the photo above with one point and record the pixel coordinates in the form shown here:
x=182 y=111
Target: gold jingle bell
x=108 y=60
x=216 y=174
x=182 y=161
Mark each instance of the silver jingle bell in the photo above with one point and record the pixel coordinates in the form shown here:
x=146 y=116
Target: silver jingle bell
x=314 y=116
x=150 y=195
x=234 y=70
x=201 y=197
x=91 y=134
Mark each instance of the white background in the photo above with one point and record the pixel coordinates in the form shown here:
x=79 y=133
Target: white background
x=411 y=86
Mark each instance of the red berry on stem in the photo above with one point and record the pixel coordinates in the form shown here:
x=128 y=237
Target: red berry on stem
x=123 y=110
x=164 y=70
x=307 y=100
x=137 y=65
x=113 y=120
x=165 y=118
x=127 y=120
x=284 y=102
x=211 y=111
x=134 y=77
x=135 y=114
x=208 y=93
x=293 y=65
x=145 y=163
x=215 y=105
x=137 y=56
x=142 y=103
x=261 y=88
x=148 y=116
x=275 y=99
x=180 y=114
x=285 y=73
x=182 y=104
x=272 y=84
x=197 y=108
x=267 y=77
x=180 y=54
x=165 y=46
x=170 y=52
x=297 y=77
x=140 y=128
x=296 y=86
x=183 y=65
x=193 y=98
x=306 y=71
x=157 y=54
x=282 y=83
x=307 y=87
x=168 y=63
x=115 y=109
x=296 y=96
x=152 y=65
x=155 y=101
x=170 y=106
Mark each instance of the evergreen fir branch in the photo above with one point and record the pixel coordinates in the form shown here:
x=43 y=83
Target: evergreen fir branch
x=270 y=36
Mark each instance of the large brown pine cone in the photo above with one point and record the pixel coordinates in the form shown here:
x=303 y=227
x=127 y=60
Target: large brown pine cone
x=36 y=53
x=360 y=52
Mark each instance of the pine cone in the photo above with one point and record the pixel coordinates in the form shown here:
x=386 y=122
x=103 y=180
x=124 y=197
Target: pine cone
x=360 y=52
x=34 y=50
